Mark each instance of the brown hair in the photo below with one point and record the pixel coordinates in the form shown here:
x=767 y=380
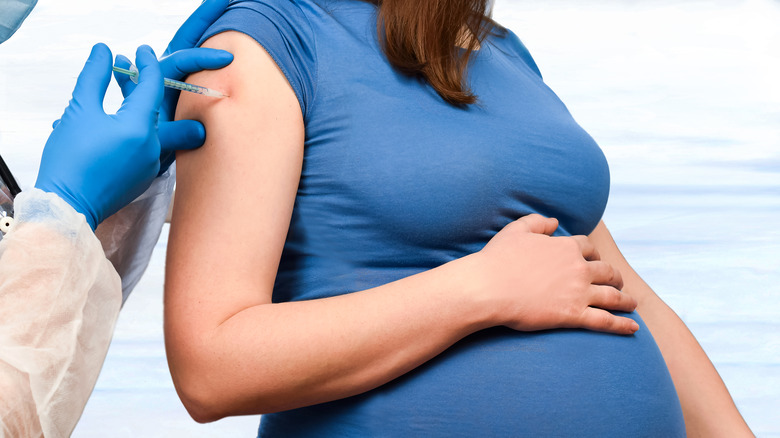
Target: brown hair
x=434 y=39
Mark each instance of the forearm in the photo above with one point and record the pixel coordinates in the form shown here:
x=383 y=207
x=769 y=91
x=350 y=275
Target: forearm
x=231 y=351
x=707 y=406
x=59 y=299
x=272 y=357
x=129 y=236
x=18 y=415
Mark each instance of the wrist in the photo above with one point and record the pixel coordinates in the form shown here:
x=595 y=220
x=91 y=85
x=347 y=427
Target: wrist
x=69 y=199
x=479 y=309
x=42 y=207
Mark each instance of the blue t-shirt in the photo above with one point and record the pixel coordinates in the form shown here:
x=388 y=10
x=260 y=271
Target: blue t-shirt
x=396 y=181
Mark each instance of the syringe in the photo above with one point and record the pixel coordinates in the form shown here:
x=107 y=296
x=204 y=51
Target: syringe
x=171 y=83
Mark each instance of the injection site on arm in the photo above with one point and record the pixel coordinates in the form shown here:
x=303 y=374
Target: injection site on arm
x=132 y=72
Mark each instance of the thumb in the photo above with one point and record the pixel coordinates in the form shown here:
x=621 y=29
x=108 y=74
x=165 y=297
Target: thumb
x=146 y=97
x=180 y=135
x=536 y=223
x=93 y=80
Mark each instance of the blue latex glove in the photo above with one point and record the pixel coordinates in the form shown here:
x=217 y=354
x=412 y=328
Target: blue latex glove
x=98 y=162
x=178 y=61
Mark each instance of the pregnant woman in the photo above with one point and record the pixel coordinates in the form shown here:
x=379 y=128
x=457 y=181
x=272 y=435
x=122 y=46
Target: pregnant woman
x=394 y=229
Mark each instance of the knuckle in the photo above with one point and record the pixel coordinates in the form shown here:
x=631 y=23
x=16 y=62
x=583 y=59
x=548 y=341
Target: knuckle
x=606 y=272
x=605 y=319
x=618 y=278
x=631 y=302
x=532 y=217
x=609 y=272
x=616 y=298
x=582 y=270
x=518 y=226
x=572 y=314
x=569 y=244
x=612 y=276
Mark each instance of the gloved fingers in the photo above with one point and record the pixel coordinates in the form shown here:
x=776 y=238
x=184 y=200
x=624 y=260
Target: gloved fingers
x=185 y=61
x=180 y=135
x=190 y=32
x=94 y=78
x=55 y=123
x=148 y=94
x=125 y=83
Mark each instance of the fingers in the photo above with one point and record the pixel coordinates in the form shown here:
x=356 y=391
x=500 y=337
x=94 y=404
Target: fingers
x=602 y=273
x=589 y=251
x=180 y=135
x=94 y=78
x=603 y=321
x=181 y=63
x=190 y=32
x=146 y=97
x=125 y=83
x=536 y=223
x=609 y=298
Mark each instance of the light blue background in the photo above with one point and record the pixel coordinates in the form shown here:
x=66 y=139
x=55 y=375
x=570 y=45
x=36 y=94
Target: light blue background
x=683 y=97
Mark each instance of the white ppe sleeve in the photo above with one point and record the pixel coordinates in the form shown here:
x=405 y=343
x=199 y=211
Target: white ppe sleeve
x=129 y=236
x=59 y=301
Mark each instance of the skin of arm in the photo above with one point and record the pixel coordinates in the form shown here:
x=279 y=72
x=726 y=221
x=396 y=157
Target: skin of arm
x=231 y=351
x=707 y=406
x=218 y=311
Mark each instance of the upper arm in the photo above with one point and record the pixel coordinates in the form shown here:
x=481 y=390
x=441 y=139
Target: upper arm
x=235 y=194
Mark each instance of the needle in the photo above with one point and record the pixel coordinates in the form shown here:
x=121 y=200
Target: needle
x=171 y=83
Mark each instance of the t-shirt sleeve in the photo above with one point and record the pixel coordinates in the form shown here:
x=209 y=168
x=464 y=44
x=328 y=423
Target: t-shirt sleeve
x=519 y=48
x=282 y=29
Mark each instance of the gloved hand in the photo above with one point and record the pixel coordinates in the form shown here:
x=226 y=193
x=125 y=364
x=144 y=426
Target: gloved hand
x=98 y=162
x=179 y=60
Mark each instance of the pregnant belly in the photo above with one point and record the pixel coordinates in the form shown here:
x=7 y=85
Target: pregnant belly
x=499 y=382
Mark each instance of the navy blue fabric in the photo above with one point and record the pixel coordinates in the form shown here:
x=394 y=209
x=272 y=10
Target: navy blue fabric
x=396 y=181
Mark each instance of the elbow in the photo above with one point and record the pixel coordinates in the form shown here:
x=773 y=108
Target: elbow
x=207 y=403
x=201 y=400
x=212 y=384
x=210 y=392
x=194 y=366
x=201 y=413
x=194 y=378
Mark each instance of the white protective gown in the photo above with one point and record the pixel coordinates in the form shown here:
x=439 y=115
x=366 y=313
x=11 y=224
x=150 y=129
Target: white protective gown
x=59 y=300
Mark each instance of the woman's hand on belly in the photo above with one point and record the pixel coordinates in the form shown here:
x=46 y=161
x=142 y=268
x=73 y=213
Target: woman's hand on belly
x=232 y=350
x=535 y=282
